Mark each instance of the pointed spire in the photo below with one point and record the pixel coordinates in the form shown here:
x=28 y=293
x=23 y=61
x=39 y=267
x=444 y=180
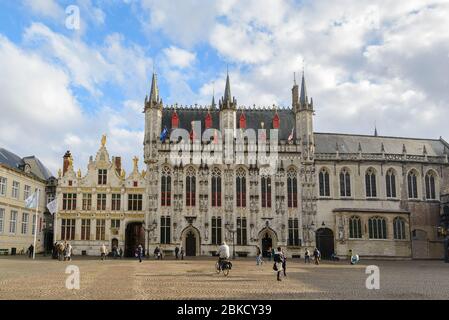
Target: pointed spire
x=375 y=131
x=154 y=95
x=227 y=94
x=303 y=98
x=213 y=97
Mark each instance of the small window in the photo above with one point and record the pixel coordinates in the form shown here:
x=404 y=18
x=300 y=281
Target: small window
x=399 y=228
x=355 y=228
x=324 y=183
x=377 y=228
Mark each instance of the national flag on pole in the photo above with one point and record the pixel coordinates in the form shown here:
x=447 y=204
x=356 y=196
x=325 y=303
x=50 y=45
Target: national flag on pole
x=290 y=137
x=52 y=206
x=31 y=201
x=164 y=134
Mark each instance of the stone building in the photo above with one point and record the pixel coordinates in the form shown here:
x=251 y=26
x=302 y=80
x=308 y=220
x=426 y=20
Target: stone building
x=101 y=205
x=377 y=196
x=19 y=179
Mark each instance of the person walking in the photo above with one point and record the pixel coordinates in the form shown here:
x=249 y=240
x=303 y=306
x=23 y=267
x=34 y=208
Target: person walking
x=269 y=253
x=284 y=263
x=307 y=256
x=30 y=251
x=278 y=258
x=258 y=256
x=103 y=251
x=139 y=252
x=120 y=252
x=317 y=256
x=176 y=252
x=182 y=253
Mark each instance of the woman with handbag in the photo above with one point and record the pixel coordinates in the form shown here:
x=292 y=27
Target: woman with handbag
x=278 y=261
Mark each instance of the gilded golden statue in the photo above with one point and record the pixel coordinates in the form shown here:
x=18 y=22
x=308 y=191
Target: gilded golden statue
x=103 y=140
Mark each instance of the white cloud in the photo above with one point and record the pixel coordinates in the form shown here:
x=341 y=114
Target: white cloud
x=178 y=57
x=47 y=8
x=41 y=116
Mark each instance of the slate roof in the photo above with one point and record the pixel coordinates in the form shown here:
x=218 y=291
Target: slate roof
x=348 y=143
x=325 y=142
x=254 y=118
x=15 y=162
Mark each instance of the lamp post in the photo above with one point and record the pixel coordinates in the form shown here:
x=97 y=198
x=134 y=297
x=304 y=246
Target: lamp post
x=230 y=228
x=445 y=232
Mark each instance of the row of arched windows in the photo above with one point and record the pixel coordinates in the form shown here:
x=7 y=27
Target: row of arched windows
x=240 y=184
x=377 y=228
x=371 y=189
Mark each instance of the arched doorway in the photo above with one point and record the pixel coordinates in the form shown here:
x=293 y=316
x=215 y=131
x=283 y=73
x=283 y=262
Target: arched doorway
x=114 y=243
x=267 y=240
x=190 y=244
x=325 y=242
x=191 y=241
x=134 y=236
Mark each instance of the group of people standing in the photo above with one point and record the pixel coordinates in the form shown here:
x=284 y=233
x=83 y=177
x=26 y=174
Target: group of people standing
x=62 y=251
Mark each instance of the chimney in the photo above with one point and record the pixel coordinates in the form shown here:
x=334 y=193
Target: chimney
x=118 y=164
x=65 y=164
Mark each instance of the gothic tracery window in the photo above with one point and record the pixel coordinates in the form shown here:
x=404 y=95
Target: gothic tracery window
x=266 y=192
x=370 y=183
x=166 y=187
x=240 y=181
x=430 y=186
x=292 y=188
x=216 y=187
x=324 y=183
x=399 y=228
x=345 y=183
x=390 y=180
x=190 y=187
x=377 y=227
x=412 y=183
x=355 y=228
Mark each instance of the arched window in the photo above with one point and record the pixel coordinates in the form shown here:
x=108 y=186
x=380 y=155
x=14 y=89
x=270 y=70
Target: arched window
x=399 y=228
x=430 y=186
x=190 y=187
x=165 y=187
x=370 y=183
x=292 y=188
x=390 y=180
x=345 y=183
x=216 y=187
x=355 y=228
x=412 y=183
x=324 y=183
x=377 y=227
x=240 y=182
x=266 y=192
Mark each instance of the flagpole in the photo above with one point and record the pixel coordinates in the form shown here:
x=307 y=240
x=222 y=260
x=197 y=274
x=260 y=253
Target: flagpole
x=35 y=225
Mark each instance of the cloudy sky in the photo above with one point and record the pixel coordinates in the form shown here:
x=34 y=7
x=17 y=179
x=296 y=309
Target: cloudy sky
x=384 y=62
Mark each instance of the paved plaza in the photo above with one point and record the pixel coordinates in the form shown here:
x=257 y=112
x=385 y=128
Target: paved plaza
x=21 y=278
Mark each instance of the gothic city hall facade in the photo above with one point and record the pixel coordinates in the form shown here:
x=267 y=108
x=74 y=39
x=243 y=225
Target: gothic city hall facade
x=204 y=182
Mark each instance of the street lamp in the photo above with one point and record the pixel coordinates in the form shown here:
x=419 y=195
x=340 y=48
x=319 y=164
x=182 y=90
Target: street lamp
x=445 y=232
x=230 y=228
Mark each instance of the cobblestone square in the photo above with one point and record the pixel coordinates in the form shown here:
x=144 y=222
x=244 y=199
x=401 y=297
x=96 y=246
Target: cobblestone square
x=21 y=278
